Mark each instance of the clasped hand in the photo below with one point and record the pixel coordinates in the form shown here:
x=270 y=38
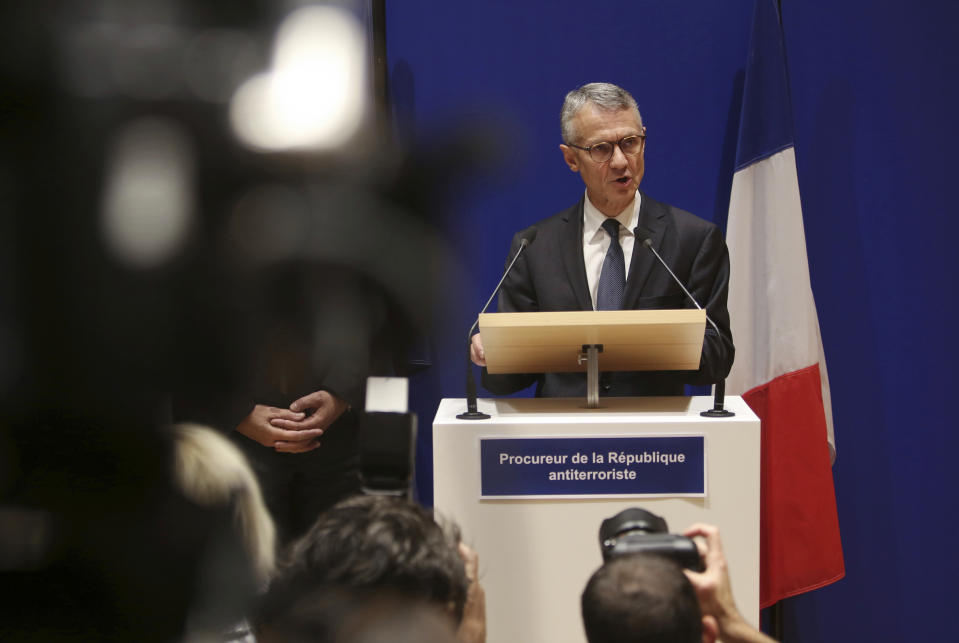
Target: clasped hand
x=292 y=430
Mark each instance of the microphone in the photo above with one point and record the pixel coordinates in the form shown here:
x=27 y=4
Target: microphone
x=526 y=237
x=720 y=391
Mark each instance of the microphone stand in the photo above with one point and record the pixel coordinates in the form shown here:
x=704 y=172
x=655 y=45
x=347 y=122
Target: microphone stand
x=472 y=413
x=719 y=388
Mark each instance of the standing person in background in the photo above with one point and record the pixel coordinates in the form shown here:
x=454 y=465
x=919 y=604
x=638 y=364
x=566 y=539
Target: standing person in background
x=297 y=421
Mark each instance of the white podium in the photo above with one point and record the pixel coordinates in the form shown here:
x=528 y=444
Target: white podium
x=537 y=554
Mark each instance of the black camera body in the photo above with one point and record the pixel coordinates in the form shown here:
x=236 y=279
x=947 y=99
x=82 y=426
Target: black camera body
x=387 y=449
x=637 y=531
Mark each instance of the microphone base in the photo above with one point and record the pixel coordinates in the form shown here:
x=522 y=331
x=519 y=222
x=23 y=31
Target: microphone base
x=719 y=399
x=473 y=415
x=717 y=413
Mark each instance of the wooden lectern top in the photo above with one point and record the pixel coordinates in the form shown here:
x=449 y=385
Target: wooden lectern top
x=632 y=340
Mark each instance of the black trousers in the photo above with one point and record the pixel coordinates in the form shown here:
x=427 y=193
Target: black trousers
x=298 y=487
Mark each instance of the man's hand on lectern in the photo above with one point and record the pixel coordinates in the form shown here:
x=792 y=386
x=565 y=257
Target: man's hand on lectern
x=477 y=354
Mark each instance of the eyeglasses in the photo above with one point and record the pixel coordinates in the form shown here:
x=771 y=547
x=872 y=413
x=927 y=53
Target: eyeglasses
x=603 y=151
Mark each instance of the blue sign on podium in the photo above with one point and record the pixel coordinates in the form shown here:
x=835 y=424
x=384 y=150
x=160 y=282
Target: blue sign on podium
x=597 y=467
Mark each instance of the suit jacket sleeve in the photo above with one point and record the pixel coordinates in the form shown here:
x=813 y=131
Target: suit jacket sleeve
x=709 y=285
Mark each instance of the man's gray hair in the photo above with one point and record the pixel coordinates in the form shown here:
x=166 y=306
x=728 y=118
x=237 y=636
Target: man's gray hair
x=604 y=95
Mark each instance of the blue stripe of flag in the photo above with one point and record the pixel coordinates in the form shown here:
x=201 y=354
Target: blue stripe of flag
x=765 y=123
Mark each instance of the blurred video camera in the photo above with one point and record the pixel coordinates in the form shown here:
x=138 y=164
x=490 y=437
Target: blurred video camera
x=637 y=531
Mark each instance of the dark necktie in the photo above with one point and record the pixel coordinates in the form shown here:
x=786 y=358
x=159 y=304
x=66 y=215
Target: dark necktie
x=612 y=279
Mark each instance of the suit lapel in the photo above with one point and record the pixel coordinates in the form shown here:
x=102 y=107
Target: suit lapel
x=652 y=225
x=572 y=251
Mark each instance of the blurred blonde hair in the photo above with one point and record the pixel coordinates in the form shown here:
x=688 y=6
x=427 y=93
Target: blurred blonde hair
x=212 y=471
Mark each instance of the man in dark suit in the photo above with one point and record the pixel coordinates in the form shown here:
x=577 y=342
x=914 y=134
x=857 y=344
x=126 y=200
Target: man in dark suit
x=591 y=256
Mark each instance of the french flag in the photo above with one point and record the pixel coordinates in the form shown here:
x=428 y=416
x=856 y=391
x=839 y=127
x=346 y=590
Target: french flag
x=780 y=369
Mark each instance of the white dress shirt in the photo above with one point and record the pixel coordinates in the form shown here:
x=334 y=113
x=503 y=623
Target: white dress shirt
x=596 y=239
